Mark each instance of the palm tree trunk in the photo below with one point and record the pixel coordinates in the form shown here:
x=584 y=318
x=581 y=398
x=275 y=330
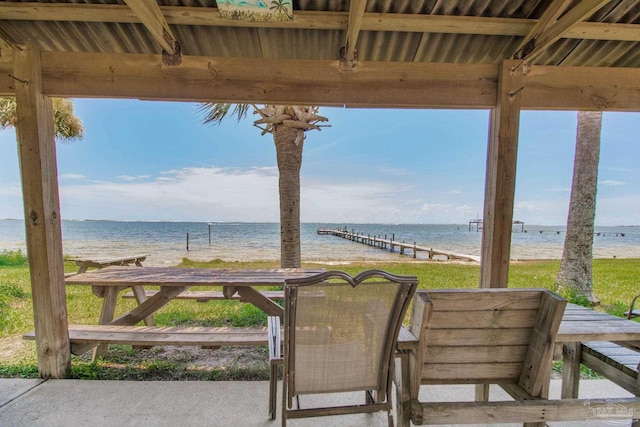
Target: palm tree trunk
x=289 y=156
x=575 y=274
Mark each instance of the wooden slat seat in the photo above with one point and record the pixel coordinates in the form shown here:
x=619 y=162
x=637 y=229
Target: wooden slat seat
x=204 y=296
x=490 y=336
x=162 y=336
x=617 y=363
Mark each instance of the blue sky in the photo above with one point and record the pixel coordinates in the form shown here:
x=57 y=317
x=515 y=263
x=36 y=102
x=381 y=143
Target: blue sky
x=142 y=160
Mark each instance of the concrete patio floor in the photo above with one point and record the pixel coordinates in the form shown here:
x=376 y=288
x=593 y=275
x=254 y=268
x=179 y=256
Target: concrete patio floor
x=72 y=403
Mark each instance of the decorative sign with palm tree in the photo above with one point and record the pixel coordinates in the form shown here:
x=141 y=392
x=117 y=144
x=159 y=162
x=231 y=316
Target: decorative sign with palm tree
x=256 y=10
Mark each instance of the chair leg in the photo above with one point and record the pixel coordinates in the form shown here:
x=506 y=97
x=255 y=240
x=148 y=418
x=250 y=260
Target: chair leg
x=284 y=398
x=403 y=398
x=273 y=390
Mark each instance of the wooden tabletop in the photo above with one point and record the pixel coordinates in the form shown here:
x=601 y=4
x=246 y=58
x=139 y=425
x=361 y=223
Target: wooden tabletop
x=172 y=276
x=584 y=324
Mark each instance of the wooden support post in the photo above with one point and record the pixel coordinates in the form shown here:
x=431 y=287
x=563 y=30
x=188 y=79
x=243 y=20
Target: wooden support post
x=500 y=179
x=38 y=170
x=571 y=356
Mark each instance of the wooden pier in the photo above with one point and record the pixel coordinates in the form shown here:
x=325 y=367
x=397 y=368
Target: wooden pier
x=477 y=223
x=391 y=244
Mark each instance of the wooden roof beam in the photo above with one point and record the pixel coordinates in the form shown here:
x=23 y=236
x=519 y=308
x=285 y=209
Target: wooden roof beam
x=348 y=53
x=152 y=18
x=555 y=31
x=180 y=15
x=319 y=82
x=549 y=16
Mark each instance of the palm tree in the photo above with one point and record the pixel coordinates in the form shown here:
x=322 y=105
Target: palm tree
x=287 y=124
x=279 y=7
x=67 y=126
x=575 y=274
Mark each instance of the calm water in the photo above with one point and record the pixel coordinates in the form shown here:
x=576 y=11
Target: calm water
x=166 y=241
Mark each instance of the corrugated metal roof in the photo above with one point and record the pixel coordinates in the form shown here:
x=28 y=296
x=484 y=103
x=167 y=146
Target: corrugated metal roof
x=297 y=43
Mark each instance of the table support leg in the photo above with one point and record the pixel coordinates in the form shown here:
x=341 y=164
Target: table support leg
x=263 y=303
x=141 y=297
x=482 y=393
x=150 y=306
x=571 y=356
x=106 y=316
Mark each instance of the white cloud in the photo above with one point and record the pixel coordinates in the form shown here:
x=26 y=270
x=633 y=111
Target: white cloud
x=560 y=189
x=131 y=178
x=453 y=191
x=72 y=176
x=251 y=195
x=541 y=212
x=233 y=194
x=623 y=210
x=11 y=190
x=198 y=194
x=611 y=183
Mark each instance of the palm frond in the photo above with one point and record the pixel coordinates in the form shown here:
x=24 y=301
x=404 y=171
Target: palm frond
x=215 y=113
x=67 y=126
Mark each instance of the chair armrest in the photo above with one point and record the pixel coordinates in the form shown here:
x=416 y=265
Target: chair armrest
x=630 y=314
x=273 y=329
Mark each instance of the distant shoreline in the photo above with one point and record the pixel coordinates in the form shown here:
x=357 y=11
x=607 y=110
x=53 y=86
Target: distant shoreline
x=535 y=227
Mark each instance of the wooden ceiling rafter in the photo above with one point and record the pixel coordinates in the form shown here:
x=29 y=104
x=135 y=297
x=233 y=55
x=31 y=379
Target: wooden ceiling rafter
x=553 y=32
x=149 y=13
x=550 y=15
x=349 y=53
x=182 y=15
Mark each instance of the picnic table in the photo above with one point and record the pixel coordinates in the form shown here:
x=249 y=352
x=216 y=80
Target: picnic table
x=581 y=326
x=85 y=263
x=172 y=281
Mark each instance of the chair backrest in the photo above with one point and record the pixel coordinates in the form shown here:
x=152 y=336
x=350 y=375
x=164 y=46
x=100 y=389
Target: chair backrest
x=341 y=331
x=486 y=336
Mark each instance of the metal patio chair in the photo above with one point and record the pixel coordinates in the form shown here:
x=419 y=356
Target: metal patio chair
x=340 y=335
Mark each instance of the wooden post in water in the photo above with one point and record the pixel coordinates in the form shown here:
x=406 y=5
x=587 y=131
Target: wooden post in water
x=209 y=234
x=187 y=241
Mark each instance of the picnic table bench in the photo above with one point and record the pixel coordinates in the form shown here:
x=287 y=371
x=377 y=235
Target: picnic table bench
x=615 y=362
x=208 y=337
x=149 y=336
x=85 y=263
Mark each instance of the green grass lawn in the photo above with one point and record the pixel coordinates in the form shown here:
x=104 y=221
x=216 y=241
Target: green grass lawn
x=615 y=283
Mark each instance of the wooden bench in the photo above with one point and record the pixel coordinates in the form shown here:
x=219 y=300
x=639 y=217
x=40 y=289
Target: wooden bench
x=86 y=263
x=209 y=337
x=204 y=296
x=617 y=363
x=147 y=336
